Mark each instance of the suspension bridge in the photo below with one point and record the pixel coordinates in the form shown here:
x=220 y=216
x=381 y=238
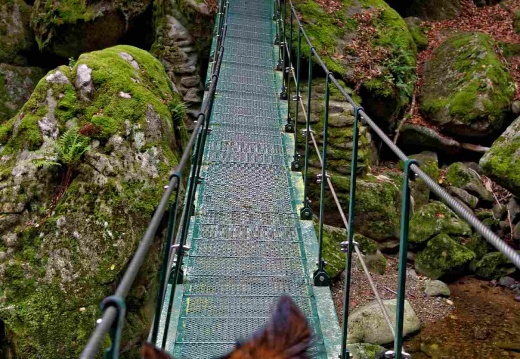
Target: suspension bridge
x=245 y=234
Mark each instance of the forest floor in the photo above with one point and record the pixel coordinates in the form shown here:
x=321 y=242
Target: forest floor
x=478 y=320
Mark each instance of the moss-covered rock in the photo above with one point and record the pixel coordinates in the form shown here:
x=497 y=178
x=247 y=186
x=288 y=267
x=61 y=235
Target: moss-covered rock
x=428 y=9
x=442 y=256
x=502 y=161
x=433 y=219
x=365 y=351
x=461 y=176
x=377 y=206
x=16 y=86
x=417 y=32
x=69 y=28
x=467 y=89
x=62 y=255
x=388 y=46
x=340 y=131
x=493 y=266
x=332 y=238
x=16 y=38
x=429 y=163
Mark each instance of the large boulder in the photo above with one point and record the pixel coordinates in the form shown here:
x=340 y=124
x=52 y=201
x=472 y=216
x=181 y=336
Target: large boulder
x=427 y=9
x=377 y=206
x=382 y=60
x=74 y=224
x=16 y=38
x=502 y=161
x=69 y=28
x=467 y=89
x=442 y=256
x=433 y=219
x=367 y=324
x=16 y=86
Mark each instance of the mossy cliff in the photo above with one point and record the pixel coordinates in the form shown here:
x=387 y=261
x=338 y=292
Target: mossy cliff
x=467 y=90
x=16 y=86
x=60 y=256
x=68 y=28
x=16 y=38
x=380 y=59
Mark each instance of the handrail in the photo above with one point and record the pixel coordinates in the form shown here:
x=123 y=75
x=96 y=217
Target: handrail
x=113 y=307
x=410 y=166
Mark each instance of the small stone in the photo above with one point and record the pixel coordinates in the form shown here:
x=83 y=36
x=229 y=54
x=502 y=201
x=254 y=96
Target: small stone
x=480 y=333
x=436 y=288
x=517 y=298
x=57 y=78
x=125 y=95
x=82 y=309
x=450 y=302
x=515 y=107
x=513 y=206
x=499 y=211
x=516 y=232
x=506 y=281
x=190 y=81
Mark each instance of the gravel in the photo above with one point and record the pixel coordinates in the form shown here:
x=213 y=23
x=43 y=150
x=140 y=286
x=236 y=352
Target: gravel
x=428 y=309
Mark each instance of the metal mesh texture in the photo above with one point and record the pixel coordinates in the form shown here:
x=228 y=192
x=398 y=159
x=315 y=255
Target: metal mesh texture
x=246 y=248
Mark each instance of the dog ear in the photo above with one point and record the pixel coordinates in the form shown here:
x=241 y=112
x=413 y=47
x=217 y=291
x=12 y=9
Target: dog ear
x=148 y=351
x=288 y=329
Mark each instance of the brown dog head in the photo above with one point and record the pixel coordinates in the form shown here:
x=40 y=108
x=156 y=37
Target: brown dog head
x=285 y=336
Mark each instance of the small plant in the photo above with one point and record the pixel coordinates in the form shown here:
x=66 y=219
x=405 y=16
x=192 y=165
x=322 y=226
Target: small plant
x=178 y=112
x=69 y=148
x=400 y=74
x=72 y=62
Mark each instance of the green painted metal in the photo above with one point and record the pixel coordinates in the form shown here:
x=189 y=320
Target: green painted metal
x=403 y=244
x=350 y=233
x=117 y=328
x=172 y=219
x=306 y=211
x=321 y=277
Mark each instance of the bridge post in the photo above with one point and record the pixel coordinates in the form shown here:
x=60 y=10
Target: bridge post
x=284 y=49
x=296 y=164
x=403 y=243
x=321 y=277
x=306 y=211
x=350 y=233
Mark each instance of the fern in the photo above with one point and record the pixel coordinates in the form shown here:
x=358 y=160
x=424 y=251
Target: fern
x=178 y=112
x=45 y=163
x=71 y=146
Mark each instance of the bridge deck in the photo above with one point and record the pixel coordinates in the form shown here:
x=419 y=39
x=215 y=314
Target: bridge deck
x=246 y=241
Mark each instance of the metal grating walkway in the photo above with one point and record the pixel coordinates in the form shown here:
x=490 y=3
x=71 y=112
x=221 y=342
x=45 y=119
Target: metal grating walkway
x=246 y=243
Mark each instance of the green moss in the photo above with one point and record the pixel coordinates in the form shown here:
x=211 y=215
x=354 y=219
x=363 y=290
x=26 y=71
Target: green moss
x=457 y=175
x=442 y=256
x=433 y=219
x=501 y=161
x=467 y=83
x=494 y=265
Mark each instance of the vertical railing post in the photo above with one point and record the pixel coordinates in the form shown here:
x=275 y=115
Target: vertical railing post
x=116 y=331
x=296 y=164
x=276 y=17
x=283 y=48
x=403 y=244
x=306 y=211
x=172 y=219
x=350 y=232
x=290 y=126
x=321 y=277
x=279 y=35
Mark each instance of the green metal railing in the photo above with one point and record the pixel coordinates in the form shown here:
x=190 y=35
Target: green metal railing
x=411 y=170
x=113 y=307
